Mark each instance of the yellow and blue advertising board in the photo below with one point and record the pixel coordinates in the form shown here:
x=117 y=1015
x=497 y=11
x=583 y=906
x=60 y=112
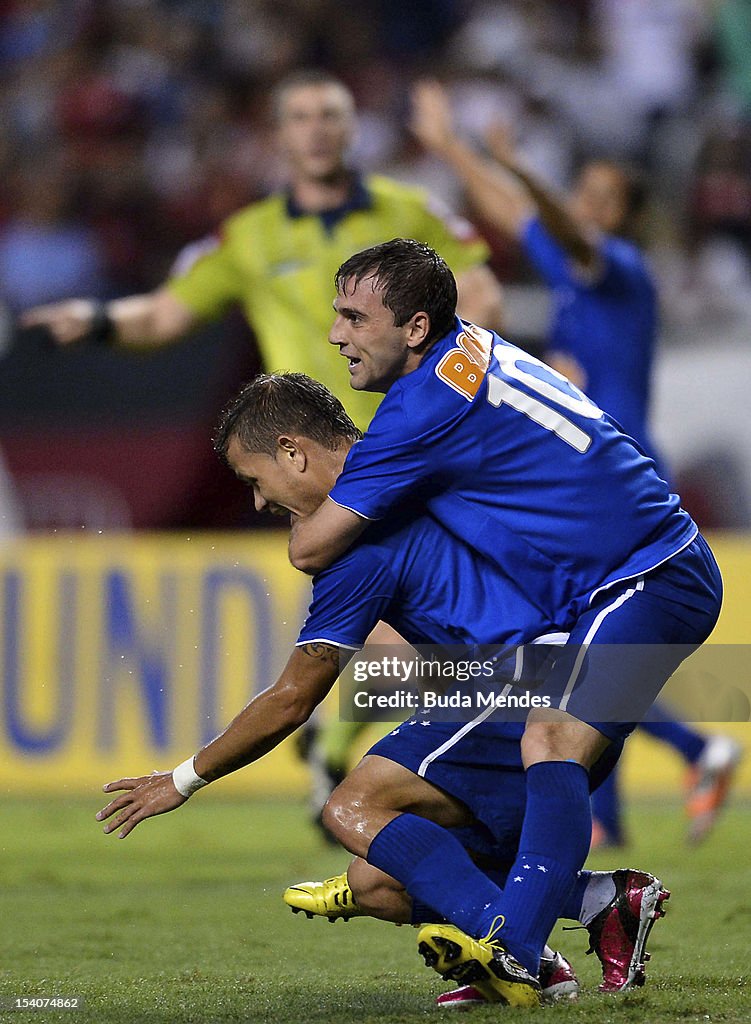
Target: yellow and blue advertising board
x=123 y=654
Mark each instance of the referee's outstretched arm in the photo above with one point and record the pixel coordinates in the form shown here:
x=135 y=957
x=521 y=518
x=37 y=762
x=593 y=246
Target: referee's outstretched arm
x=155 y=318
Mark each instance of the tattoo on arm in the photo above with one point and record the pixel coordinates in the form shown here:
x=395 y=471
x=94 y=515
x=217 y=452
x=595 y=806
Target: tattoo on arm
x=322 y=652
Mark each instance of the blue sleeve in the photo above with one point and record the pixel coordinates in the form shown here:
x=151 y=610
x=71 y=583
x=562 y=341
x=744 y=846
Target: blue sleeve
x=349 y=598
x=389 y=465
x=623 y=268
x=546 y=255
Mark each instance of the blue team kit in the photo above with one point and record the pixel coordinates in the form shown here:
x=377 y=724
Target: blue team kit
x=506 y=507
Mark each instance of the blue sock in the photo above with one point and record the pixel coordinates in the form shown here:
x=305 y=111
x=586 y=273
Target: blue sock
x=436 y=871
x=423 y=914
x=606 y=807
x=686 y=741
x=554 y=844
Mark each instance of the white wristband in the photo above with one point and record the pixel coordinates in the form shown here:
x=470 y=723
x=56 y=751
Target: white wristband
x=185 y=778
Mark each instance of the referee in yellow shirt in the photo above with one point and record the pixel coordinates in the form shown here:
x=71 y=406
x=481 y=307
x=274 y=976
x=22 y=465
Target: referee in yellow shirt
x=277 y=258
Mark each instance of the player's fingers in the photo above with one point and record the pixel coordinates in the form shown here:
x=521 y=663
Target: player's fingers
x=138 y=815
x=113 y=806
x=113 y=787
x=123 y=816
x=130 y=824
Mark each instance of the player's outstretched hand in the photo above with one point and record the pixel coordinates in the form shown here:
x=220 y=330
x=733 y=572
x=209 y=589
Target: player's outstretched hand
x=432 y=121
x=67 y=322
x=143 y=798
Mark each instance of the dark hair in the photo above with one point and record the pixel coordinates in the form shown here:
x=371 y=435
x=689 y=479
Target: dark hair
x=283 y=403
x=413 y=278
x=299 y=80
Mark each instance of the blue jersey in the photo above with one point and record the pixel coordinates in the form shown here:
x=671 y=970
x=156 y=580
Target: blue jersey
x=429 y=586
x=608 y=325
x=519 y=464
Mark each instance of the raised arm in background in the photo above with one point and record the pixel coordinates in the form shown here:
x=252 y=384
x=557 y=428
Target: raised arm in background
x=506 y=193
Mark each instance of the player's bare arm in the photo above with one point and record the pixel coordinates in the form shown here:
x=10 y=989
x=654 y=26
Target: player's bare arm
x=504 y=191
x=579 y=240
x=497 y=195
x=155 y=318
x=262 y=724
x=317 y=540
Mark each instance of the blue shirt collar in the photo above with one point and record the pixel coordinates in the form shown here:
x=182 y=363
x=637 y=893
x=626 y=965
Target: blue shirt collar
x=359 y=198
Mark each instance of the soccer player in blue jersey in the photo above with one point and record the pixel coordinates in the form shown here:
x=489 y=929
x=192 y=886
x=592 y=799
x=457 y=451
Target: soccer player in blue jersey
x=520 y=465
x=602 y=336
x=288 y=437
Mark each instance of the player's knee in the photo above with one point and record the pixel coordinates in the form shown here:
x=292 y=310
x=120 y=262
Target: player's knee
x=330 y=816
x=342 y=816
x=560 y=737
x=538 y=744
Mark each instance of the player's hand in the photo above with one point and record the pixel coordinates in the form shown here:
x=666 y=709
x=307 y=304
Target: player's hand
x=432 y=121
x=67 y=322
x=143 y=798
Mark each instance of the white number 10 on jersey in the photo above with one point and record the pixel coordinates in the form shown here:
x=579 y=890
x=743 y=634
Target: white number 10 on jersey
x=566 y=396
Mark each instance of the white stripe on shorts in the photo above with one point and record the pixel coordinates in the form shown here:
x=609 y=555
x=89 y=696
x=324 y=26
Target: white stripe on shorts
x=467 y=727
x=599 y=619
x=547 y=638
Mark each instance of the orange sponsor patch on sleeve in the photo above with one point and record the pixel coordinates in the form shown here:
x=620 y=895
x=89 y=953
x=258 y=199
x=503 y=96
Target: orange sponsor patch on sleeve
x=464 y=368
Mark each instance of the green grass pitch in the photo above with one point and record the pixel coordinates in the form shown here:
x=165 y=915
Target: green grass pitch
x=183 y=922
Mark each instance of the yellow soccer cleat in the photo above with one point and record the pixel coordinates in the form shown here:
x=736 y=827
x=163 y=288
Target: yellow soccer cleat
x=331 y=898
x=482 y=963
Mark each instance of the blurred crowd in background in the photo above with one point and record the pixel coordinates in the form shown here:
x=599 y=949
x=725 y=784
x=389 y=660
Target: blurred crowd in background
x=133 y=127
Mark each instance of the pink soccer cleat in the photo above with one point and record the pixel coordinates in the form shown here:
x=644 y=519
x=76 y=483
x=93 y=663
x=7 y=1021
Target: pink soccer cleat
x=619 y=933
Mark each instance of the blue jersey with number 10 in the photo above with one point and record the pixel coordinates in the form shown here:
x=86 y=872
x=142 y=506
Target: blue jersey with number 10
x=518 y=463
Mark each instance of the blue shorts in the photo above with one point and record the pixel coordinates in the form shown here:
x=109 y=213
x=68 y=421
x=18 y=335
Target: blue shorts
x=632 y=638
x=479 y=764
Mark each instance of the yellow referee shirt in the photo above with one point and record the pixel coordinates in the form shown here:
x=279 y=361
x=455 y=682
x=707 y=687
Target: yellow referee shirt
x=278 y=263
